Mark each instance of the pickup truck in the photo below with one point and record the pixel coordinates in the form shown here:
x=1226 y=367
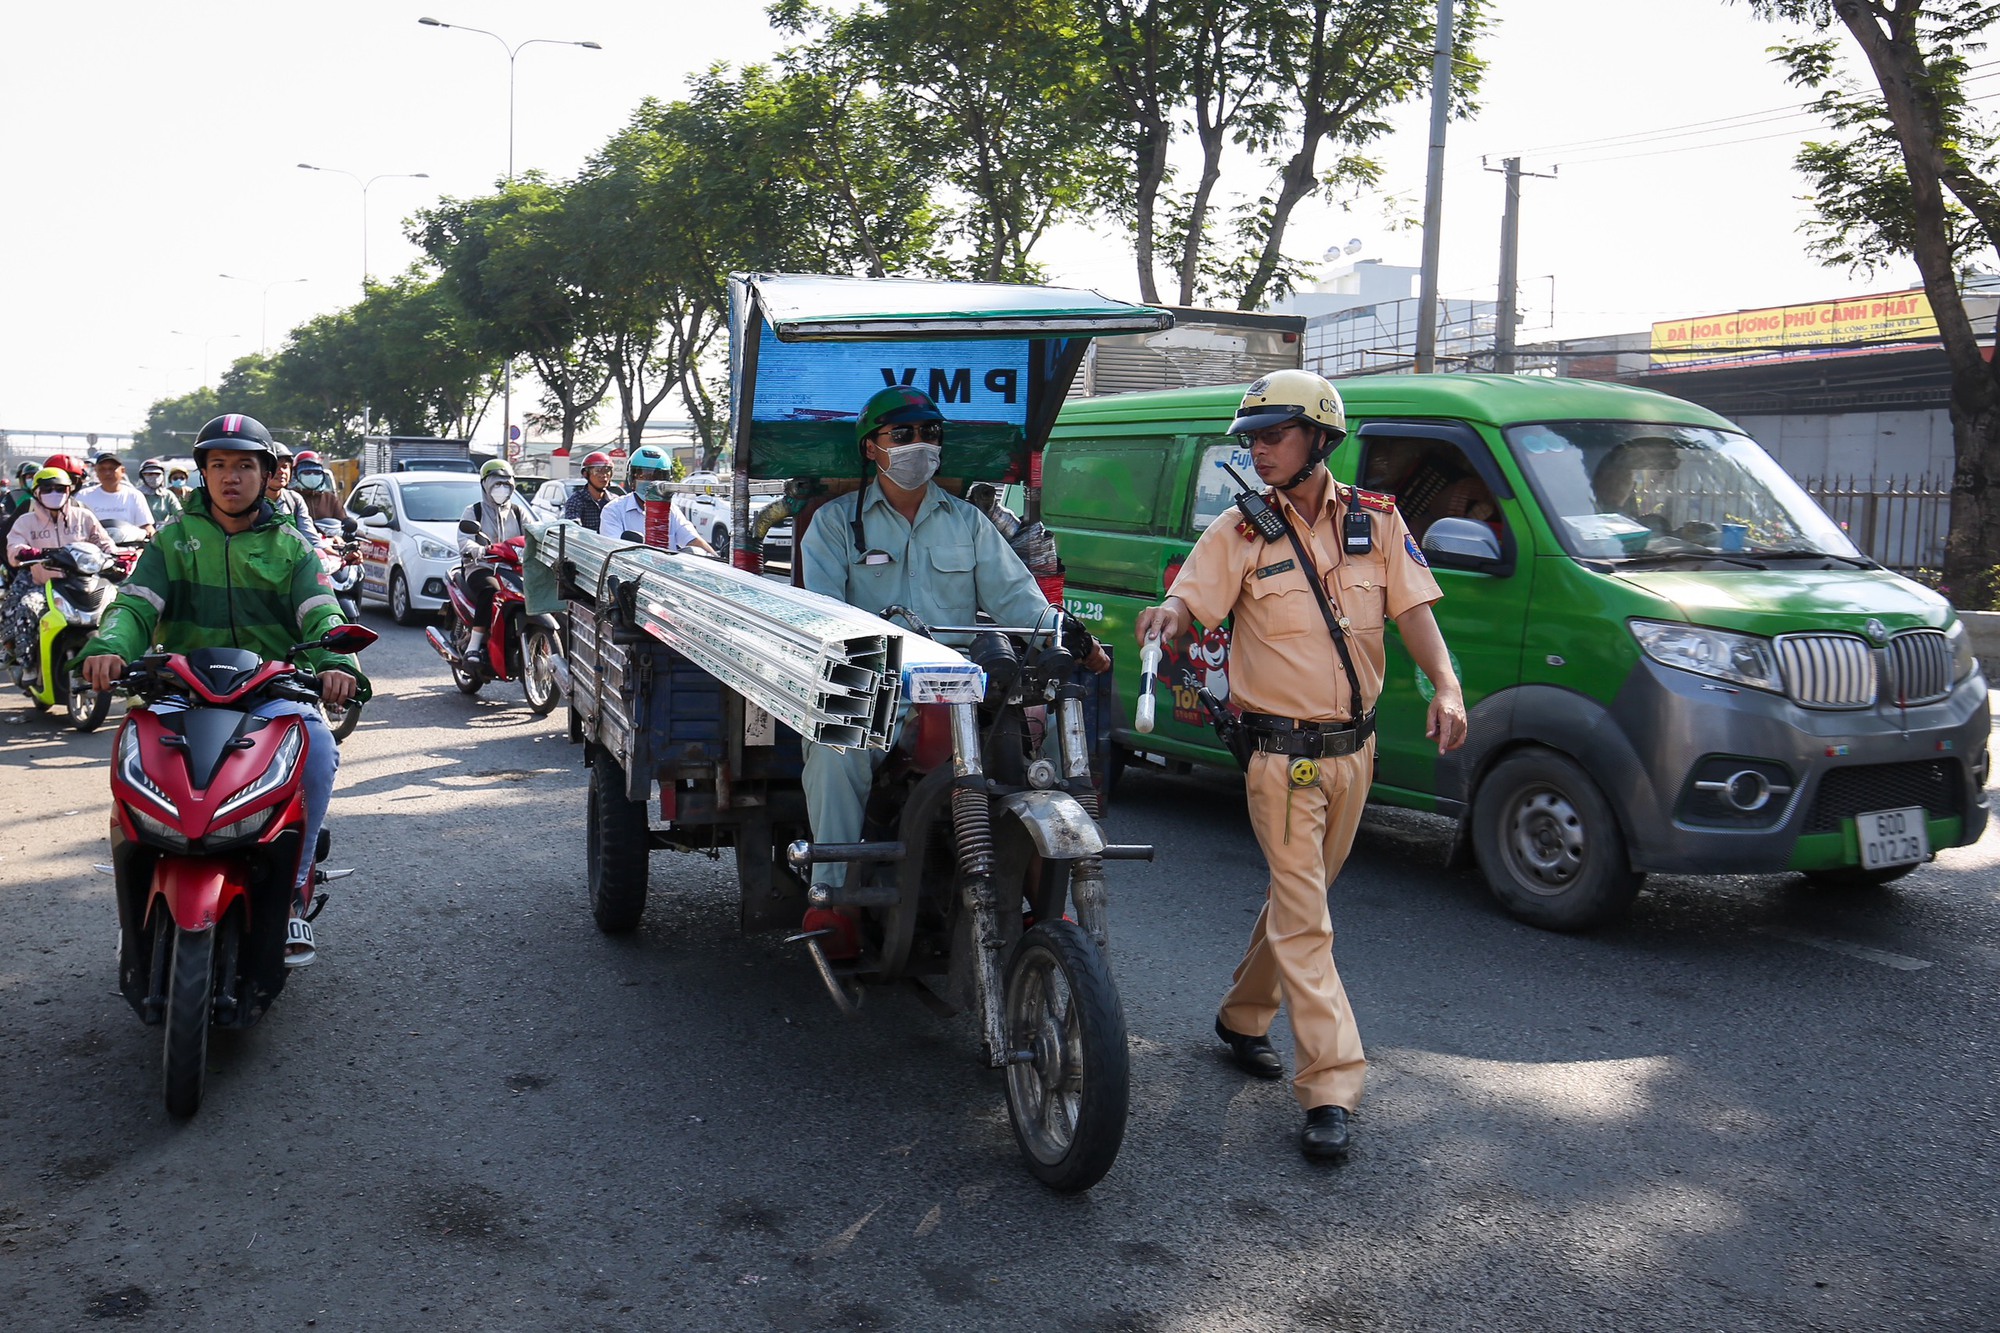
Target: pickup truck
x=706 y=507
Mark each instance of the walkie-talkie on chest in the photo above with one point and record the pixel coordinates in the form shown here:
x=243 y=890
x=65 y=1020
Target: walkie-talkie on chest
x=1256 y=510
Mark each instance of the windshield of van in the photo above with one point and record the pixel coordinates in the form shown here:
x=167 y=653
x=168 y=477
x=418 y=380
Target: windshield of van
x=438 y=501
x=1618 y=490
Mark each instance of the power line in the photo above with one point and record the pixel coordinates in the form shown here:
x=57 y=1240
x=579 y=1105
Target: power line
x=1721 y=143
x=1741 y=120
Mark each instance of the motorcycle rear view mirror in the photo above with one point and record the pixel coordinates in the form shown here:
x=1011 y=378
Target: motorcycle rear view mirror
x=469 y=526
x=348 y=638
x=349 y=527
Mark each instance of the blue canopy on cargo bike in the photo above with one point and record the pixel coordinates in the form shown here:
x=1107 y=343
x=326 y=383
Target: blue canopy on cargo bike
x=807 y=350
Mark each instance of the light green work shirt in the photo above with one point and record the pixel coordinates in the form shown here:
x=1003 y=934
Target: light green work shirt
x=947 y=566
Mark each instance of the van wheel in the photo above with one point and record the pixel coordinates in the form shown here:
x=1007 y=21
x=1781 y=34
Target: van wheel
x=719 y=539
x=1549 y=845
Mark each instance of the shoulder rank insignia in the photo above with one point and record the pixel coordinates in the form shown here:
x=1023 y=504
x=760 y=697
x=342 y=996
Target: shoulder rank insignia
x=1375 y=500
x=1248 y=533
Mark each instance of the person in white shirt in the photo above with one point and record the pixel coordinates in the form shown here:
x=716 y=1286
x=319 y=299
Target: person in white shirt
x=628 y=512
x=112 y=500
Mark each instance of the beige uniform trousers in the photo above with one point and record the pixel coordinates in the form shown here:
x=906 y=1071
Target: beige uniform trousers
x=1290 y=957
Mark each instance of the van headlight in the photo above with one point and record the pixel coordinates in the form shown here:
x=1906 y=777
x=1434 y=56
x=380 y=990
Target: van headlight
x=1963 y=660
x=1743 y=658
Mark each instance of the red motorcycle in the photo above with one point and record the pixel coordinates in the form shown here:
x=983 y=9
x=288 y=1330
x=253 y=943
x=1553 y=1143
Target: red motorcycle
x=205 y=846
x=518 y=645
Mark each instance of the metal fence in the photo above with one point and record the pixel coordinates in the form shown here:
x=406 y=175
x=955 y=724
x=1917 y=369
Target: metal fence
x=1899 y=521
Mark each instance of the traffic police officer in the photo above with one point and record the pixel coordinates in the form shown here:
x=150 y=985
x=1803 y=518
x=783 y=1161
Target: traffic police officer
x=901 y=540
x=1313 y=748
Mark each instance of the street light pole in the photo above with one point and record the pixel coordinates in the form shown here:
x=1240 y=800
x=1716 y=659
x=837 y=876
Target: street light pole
x=206 y=343
x=365 y=184
x=264 y=308
x=507 y=382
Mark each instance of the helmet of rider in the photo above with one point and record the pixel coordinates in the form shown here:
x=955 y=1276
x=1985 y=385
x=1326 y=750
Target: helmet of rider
x=899 y=405
x=177 y=477
x=596 y=458
x=496 y=480
x=311 y=475
x=152 y=471
x=25 y=473
x=647 y=461
x=52 y=487
x=236 y=433
x=281 y=451
x=69 y=463
x=304 y=456
x=1294 y=395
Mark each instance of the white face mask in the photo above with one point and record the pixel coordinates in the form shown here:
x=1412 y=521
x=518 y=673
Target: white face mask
x=498 y=493
x=53 y=499
x=911 y=465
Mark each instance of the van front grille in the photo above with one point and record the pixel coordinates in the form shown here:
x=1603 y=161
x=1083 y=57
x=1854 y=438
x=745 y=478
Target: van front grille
x=1843 y=793
x=1919 y=667
x=1827 y=670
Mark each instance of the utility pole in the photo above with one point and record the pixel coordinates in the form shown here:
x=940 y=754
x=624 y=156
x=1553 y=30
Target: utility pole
x=1510 y=264
x=1427 y=287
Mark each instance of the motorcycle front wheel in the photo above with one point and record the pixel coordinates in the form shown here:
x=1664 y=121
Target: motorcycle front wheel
x=86 y=706
x=538 y=670
x=1068 y=1072
x=190 y=993
x=341 y=720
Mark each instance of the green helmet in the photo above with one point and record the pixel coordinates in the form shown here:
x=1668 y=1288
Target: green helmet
x=894 y=406
x=495 y=467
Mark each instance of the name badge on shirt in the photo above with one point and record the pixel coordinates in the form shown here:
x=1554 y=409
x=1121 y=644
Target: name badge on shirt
x=1279 y=568
x=877 y=558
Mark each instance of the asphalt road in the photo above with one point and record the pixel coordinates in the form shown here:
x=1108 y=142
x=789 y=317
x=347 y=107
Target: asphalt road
x=1753 y=1106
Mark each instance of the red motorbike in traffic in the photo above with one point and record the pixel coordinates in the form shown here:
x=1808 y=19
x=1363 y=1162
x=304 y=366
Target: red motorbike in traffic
x=518 y=646
x=205 y=843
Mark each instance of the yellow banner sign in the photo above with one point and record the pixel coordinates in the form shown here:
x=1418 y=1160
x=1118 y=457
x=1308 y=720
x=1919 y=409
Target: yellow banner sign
x=1774 y=330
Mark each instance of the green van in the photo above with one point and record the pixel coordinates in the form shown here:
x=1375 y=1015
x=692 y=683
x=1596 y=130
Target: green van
x=1673 y=660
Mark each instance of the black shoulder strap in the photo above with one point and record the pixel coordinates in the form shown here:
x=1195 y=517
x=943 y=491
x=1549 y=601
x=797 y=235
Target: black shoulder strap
x=1311 y=571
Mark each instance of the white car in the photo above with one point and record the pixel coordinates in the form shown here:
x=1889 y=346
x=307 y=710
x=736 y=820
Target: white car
x=410 y=522
x=707 y=511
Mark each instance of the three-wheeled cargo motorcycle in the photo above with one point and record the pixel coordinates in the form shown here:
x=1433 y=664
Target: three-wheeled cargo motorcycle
x=981 y=874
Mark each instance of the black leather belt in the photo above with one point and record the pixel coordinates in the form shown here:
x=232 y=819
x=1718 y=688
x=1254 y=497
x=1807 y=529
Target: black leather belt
x=1311 y=740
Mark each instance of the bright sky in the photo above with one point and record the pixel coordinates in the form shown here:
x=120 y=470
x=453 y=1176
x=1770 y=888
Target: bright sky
x=149 y=148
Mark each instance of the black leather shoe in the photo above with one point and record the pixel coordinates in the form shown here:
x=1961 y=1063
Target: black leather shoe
x=1253 y=1055
x=1325 y=1134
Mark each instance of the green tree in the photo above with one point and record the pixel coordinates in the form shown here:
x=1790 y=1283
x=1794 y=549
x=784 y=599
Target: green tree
x=506 y=260
x=739 y=175
x=1912 y=173
x=171 y=424
x=402 y=360
x=1003 y=103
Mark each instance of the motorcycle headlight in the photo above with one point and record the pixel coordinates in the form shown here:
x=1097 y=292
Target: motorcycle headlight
x=274 y=777
x=1963 y=660
x=1742 y=658
x=61 y=604
x=431 y=550
x=134 y=773
x=249 y=827
x=155 y=830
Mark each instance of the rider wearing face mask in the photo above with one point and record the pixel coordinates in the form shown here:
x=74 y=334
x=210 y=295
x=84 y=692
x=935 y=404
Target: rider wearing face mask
x=901 y=540
x=500 y=513
x=52 y=520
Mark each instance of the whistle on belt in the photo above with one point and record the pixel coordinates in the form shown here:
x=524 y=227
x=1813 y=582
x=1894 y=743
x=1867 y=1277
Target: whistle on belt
x=1257 y=511
x=1149 y=671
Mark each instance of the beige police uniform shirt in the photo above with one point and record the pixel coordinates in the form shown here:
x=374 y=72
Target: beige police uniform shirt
x=1281 y=658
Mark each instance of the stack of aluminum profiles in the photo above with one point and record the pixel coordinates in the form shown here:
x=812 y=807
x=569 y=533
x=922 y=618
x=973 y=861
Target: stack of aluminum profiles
x=831 y=672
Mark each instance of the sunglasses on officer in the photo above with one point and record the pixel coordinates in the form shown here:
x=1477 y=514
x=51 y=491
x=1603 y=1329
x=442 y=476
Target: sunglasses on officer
x=930 y=432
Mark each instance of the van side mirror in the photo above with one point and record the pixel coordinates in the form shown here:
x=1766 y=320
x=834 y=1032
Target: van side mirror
x=375 y=518
x=1461 y=543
